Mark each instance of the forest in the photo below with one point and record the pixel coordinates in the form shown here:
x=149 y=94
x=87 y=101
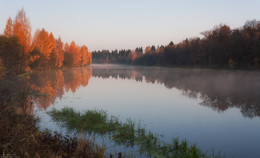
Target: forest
x=21 y=52
x=221 y=47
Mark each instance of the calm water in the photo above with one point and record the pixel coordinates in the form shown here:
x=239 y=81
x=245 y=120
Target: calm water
x=217 y=109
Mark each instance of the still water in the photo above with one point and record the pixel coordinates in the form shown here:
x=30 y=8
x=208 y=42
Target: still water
x=216 y=109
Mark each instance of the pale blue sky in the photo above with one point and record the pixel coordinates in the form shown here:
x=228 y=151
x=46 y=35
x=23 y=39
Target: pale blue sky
x=121 y=24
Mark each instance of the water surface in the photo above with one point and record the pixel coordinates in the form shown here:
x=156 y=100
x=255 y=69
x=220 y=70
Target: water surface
x=216 y=109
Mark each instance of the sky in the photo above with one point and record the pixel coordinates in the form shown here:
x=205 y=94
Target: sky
x=127 y=24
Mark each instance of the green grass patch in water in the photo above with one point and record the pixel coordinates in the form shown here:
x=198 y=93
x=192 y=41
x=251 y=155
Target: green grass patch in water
x=98 y=121
x=92 y=121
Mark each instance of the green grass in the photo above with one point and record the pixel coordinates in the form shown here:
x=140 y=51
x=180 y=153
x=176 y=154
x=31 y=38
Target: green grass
x=98 y=121
x=125 y=133
x=93 y=121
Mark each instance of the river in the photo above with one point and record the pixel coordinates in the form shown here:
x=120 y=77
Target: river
x=216 y=109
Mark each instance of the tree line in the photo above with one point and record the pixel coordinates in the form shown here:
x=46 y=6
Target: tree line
x=20 y=52
x=221 y=47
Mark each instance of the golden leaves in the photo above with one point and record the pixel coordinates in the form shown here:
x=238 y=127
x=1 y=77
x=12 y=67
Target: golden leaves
x=22 y=29
x=9 y=28
x=45 y=42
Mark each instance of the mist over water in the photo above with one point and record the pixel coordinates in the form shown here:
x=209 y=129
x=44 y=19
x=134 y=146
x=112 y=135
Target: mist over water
x=216 y=109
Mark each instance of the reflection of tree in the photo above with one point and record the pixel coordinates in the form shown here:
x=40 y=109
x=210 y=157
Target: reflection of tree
x=77 y=77
x=217 y=103
x=190 y=93
x=50 y=84
x=218 y=89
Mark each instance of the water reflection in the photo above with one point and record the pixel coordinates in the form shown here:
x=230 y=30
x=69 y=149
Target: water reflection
x=51 y=85
x=218 y=89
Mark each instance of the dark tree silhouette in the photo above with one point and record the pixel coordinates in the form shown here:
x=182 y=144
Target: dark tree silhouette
x=220 y=47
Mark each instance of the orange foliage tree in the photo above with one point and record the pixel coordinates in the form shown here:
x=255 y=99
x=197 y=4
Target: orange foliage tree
x=86 y=56
x=68 y=60
x=9 y=28
x=22 y=29
x=75 y=50
x=45 y=42
x=131 y=56
x=80 y=56
x=44 y=51
x=58 y=53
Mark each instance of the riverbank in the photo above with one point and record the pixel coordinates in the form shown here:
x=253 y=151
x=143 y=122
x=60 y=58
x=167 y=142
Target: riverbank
x=21 y=137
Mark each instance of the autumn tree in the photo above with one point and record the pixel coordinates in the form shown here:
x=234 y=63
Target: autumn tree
x=88 y=58
x=76 y=52
x=131 y=57
x=52 y=41
x=9 y=28
x=58 y=53
x=76 y=55
x=45 y=42
x=68 y=58
x=67 y=47
x=22 y=29
x=160 y=49
x=72 y=54
x=19 y=53
x=147 y=49
x=84 y=54
x=43 y=45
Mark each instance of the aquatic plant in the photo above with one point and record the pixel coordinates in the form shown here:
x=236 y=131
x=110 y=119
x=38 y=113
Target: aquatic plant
x=98 y=121
x=92 y=121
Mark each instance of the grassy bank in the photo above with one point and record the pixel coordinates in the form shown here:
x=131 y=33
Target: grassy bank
x=21 y=137
x=126 y=133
